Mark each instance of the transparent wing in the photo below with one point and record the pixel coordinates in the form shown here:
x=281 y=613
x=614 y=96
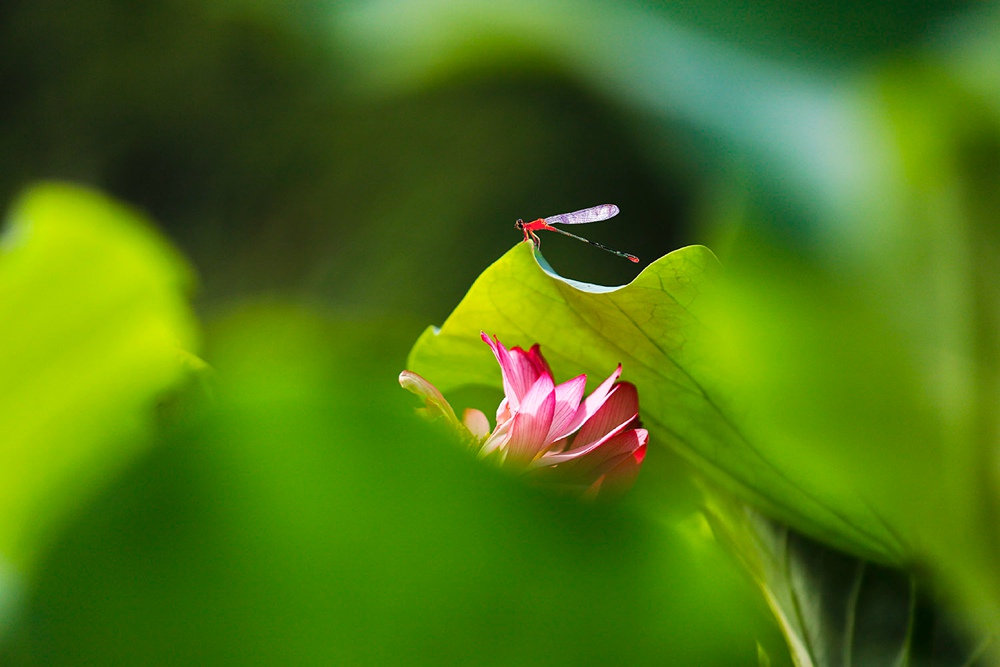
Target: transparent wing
x=592 y=214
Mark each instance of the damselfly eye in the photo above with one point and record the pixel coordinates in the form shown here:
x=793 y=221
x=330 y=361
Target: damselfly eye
x=519 y=224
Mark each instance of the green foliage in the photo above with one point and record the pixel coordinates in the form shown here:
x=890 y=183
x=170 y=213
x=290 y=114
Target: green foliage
x=96 y=327
x=655 y=327
x=306 y=514
x=839 y=611
x=842 y=378
x=779 y=383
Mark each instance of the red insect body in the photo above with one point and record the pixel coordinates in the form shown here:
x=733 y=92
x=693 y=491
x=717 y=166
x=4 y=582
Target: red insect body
x=529 y=229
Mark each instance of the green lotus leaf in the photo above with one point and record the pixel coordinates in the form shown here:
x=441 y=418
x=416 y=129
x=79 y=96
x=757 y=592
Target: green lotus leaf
x=674 y=330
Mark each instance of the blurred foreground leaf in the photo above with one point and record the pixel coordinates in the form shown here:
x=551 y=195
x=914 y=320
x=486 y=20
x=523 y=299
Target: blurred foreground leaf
x=308 y=516
x=924 y=240
x=96 y=325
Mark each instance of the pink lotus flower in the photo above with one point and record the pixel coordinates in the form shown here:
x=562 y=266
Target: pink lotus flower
x=550 y=432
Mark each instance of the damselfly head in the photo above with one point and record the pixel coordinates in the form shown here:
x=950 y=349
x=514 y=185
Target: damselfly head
x=519 y=225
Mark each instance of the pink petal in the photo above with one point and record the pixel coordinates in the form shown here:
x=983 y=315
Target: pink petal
x=531 y=423
x=621 y=447
x=518 y=371
x=476 y=422
x=591 y=404
x=498 y=439
x=554 y=457
x=620 y=478
x=614 y=458
x=621 y=406
x=527 y=366
x=434 y=401
x=503 y=411
x=557 y=446
x=536 y=356
x=568 y=396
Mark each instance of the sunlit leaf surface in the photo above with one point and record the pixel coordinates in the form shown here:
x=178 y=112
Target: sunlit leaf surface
x=96 y=326
x=777 y=381
x=654 y=327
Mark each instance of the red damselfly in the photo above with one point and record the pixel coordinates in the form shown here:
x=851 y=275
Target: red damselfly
x=582 y=217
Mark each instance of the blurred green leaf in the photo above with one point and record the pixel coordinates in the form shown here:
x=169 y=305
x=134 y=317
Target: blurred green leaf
x=927 y=234
x=96 y=326
x=307 y=515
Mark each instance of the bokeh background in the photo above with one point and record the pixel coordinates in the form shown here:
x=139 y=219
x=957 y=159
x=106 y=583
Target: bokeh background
x=338 y=173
